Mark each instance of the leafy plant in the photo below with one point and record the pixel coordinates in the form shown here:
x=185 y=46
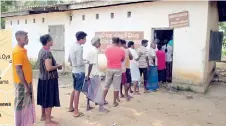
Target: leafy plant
x=34 y=64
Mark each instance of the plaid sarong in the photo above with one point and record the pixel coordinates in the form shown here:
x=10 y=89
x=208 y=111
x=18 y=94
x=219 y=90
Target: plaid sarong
x=24 y=106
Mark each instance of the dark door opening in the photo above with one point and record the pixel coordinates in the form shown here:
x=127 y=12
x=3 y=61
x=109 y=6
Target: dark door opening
x=164 y=37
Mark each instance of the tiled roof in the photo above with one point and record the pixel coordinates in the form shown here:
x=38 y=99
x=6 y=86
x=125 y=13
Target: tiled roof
x=53 y=5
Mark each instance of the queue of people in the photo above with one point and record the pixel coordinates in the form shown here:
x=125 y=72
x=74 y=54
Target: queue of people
x=125 y=67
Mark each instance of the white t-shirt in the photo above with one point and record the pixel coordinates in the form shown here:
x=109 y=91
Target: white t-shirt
x=151 y=54
x=169 y=53
x=92 y=58
x=135 y=56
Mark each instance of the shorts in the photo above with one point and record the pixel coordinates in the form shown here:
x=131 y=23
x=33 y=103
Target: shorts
x=78 y=81
x=128 y=76
x=124 y=79
x=113 y=76
x=144 y=72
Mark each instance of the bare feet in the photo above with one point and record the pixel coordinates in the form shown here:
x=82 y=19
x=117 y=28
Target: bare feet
x=89 y=108
x=115 y=104
x=146 y=91
x=102 y=109
x=122 y=96
x=118 y=100
x=105 y=102
x=128 y=97
x=51 y=123
x=71 y=110
x=43 y=118
x=137 y=93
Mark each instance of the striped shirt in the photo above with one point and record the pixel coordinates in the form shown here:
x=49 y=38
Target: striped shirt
x=43 y=73
x=143 y=53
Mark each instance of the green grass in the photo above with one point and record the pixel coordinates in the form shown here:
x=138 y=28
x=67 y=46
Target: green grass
x=34 y=64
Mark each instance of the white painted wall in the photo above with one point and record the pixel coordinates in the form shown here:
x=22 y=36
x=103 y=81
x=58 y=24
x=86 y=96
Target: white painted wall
x=212 y=25
x=189 y=42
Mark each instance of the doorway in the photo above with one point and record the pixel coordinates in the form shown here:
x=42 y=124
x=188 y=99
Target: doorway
x=164 y=38
x=58 y=51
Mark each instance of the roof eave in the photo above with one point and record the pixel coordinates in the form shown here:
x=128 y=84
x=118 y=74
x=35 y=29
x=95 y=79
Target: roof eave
x=12 y=14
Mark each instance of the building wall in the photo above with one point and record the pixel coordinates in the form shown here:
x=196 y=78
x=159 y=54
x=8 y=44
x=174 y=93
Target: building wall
x=189 y=42
x=212 y=25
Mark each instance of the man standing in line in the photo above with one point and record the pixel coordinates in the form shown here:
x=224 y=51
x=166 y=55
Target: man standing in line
x=78 y=71
x=22 y=76
x=153 y=69
x=115 y=56
x=126 y=75
x=143 y=62
x=95 y=92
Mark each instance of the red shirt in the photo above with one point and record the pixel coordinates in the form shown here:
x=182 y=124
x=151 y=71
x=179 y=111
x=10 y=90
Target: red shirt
x=161 y=55
x=115 y=55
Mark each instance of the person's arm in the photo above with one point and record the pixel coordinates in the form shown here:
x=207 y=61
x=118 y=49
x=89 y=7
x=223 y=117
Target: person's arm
x=147 y=59
x=69 y=60
x=20 y=74
x=130 y=55
x=18 y=61
x=123 y=56
x=138 y=55
x=91 y=58
x=48 y=63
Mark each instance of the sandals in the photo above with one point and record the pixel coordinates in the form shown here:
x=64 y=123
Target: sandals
x=80 y=114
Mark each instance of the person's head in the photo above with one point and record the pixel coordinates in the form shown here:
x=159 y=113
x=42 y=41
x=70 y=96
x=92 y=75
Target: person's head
x=159 y=46
x=144 y=43
x=122 y=43
x=131 y=44
x=96 y=42
x=153 y=45
x=115 y=40
x=165 y=41
x=21 y=37
x=81 y=37
x=46 y=40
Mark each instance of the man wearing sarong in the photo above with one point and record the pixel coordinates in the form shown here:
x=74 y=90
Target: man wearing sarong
x=95 y=92
x=115 y=56
x=22 y=76
x=153 y=70
x=78 y=71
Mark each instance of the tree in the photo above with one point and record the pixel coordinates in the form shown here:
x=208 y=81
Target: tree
x=12 y=5
x=222 y=27
x=5 y=6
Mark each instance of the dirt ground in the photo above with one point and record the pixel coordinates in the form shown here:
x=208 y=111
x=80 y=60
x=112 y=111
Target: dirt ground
x=162 y=108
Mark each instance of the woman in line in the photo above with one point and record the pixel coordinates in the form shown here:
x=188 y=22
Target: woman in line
x=48 y=90
x=135 y=73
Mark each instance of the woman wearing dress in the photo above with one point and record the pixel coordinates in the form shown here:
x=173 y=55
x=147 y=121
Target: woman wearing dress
x=48 y=90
